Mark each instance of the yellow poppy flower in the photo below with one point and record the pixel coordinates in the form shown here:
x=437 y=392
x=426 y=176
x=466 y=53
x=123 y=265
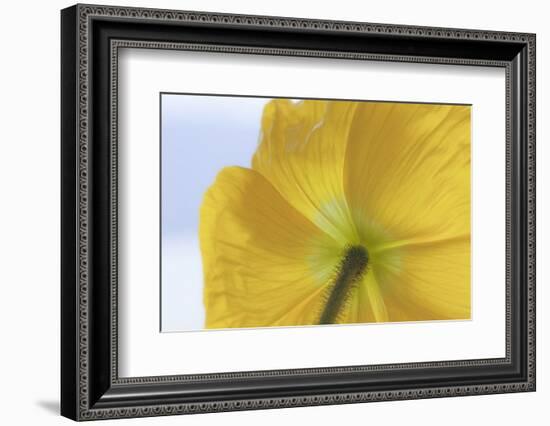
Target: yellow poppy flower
x=352 y=212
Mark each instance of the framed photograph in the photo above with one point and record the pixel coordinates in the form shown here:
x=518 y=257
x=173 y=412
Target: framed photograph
x=263 y=212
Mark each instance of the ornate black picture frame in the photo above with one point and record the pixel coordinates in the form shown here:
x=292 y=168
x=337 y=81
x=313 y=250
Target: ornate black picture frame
x=91 y=387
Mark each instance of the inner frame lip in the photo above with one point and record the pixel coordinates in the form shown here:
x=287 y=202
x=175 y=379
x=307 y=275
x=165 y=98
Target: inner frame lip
x=441 y=364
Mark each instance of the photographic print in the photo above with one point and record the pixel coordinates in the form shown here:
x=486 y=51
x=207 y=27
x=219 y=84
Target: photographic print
x=283 y=212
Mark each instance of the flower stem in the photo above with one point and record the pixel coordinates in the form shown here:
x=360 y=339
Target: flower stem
x=352 y=267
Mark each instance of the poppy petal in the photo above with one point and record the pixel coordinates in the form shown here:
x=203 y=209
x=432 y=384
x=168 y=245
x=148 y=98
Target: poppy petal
x=408 y=169
x=263 y=261
x=302 y=153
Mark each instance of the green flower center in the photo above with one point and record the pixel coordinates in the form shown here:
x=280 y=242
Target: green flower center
x=348 y=273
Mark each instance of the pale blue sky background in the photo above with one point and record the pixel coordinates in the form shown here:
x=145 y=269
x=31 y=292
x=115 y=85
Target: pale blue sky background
x=199 y=136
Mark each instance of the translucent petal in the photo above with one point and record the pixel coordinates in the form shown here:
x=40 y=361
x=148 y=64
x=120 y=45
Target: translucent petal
x=264 y=263
x=408 y=170
x=407 y=178
x=302 y=153
x=433 y=282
